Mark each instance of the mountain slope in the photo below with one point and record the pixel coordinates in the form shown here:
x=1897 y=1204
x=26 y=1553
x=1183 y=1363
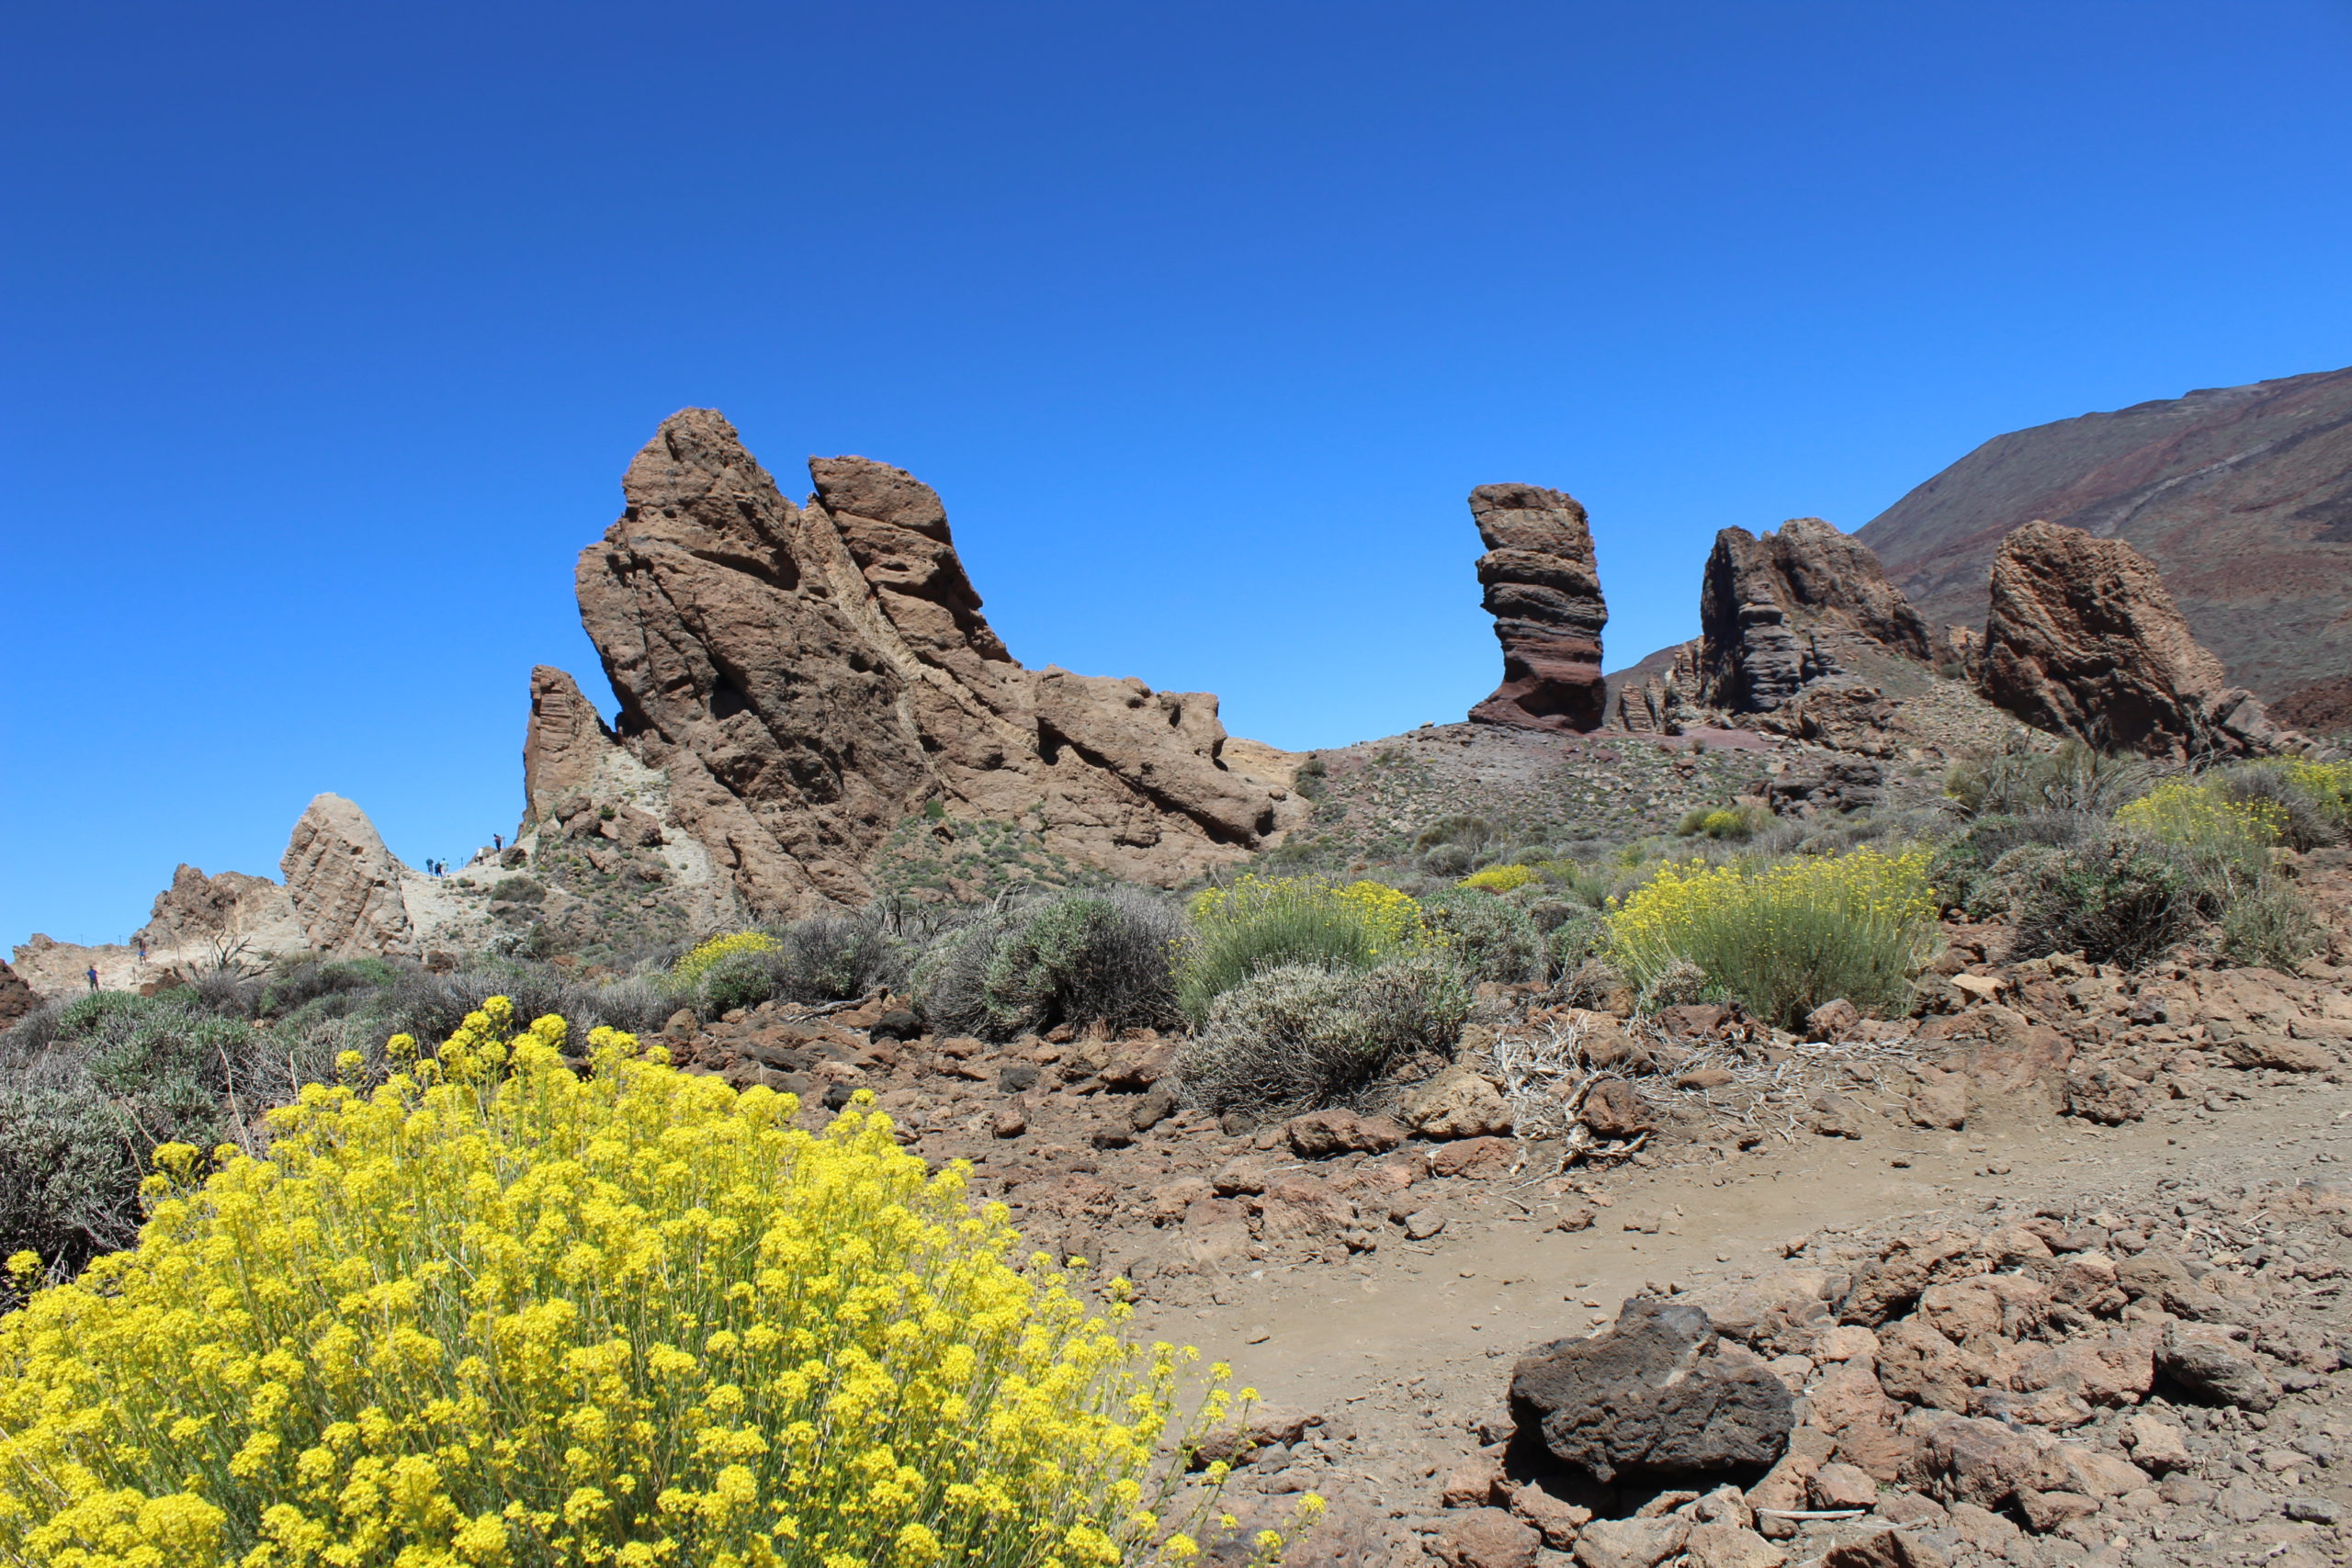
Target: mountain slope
x=2242 y=496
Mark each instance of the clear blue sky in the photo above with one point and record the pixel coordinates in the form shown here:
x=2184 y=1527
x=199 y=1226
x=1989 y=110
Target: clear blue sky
x=329 y=329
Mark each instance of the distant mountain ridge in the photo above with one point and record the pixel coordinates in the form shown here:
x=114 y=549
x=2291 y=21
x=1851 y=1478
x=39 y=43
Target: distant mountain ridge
x=2242 y=496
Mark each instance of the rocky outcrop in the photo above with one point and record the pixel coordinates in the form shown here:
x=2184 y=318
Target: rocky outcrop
x=807 y=677
x=225 y=911
x=345 y=884
x=2241 y=495
x=2324 y=707
x=1795 y=608
x=2083 y=640
x=1667 y=701
x=1545 y=592
x=563 y=749
x=17 y=998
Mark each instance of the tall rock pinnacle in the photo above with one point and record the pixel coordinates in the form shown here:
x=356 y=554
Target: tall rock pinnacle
x=1545 y=592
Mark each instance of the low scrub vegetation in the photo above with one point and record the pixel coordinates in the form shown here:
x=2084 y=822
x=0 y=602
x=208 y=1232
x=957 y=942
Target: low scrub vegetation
x=797 y=1349
x=1300 y=1035
x=1079 y=959
x=1784 y=939
x=1262 y=923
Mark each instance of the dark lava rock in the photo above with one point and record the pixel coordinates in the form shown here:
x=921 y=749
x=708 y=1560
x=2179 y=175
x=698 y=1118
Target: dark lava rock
x=1653 y=1397
x=896 y=1024
x=1017 y=1080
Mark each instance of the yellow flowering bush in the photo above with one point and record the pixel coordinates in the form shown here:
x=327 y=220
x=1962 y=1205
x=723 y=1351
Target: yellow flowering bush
x=2327 y=783
x=1785 y=939
x=2199 y=816
x=502 y=1312
x=1501 y=878
x=1264 y=923
x=688 y=971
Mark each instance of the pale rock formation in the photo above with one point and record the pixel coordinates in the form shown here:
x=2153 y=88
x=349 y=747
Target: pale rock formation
x=2084 y=640
x=224 y=911
x=807 y=677
x=345 y=884
x=1544 y=590
x=1795 y=608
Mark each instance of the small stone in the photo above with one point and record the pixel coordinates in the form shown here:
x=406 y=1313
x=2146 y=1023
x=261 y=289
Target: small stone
x=1731 y=1545
x=1010 y=1121
x=1843 y=1486
x=1486 y=1538
x=1631 y=1543
x=1019 y=1079
x=2313 y=1510
x=1422 y=1224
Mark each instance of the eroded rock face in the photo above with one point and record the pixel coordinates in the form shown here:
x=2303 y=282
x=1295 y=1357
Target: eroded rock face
x=565 y=746
x=1545 y=592
x=807 y=676
x=1657 y=1395
x=345 y=884
x=1795 y=608
x=2084 y=640
x=17 y=998
x=227 y=908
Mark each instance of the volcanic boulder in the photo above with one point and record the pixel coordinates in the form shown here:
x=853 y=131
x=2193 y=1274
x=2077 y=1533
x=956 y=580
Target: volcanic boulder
x=17 y=998
x=1656 y=1396
x=345 y=884
x=2084 y=640
x=1797 y=606
x=1545 y=592
x=807 y=676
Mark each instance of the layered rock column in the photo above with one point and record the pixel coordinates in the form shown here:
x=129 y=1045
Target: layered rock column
x=1780 y=612
x=1543 y=591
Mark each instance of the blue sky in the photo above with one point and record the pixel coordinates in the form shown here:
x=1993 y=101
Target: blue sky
x=330 y=329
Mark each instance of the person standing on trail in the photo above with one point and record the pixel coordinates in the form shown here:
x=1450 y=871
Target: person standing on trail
x=498 y=841
x=93 y=973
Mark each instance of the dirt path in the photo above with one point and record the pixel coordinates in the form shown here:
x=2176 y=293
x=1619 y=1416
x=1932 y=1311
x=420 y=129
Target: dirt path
x=1406 y=1350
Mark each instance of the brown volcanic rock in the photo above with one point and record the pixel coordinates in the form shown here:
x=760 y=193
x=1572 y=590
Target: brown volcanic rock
x=17 y=998
x=810 y=676
x=198 y=910
x=566 y=744
x=2084 y=640
x=345 y=884
x=1545 y=592
x=1797 y=607
x=2242 y=496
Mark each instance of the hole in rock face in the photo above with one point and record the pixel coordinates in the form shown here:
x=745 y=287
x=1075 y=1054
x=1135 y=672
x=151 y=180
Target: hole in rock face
x=728 y=699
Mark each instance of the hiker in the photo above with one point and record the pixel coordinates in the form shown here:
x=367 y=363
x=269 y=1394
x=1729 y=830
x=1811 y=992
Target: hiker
x=142 y=950
x=93 y=973
x=498 y=841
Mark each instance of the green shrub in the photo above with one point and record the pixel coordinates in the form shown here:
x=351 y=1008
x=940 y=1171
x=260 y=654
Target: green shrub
x=686 y=974
x=2269 y=928
x=2072 y=778
x=1733 y=823
x=1784 y=939
x=1261 y=923
x=1070 y=960
x=2328 y=786
x=743 y=979
x=2304 y=818
x=1302 y=1035
x=1490 y=937
x=825 y=958
x=1572 y=941
x=2114 y=896
x=1962 y=869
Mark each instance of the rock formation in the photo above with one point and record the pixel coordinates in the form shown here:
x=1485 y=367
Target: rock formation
x=1795 y=608
x=2324 y=707
x=1665 y=702
x=1545 y=592
x=17 y=998
x=345 y=884
x=2241 y=495
x=2083 y=640
x=564 y=746
x=225 y=911
x=807 y=676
